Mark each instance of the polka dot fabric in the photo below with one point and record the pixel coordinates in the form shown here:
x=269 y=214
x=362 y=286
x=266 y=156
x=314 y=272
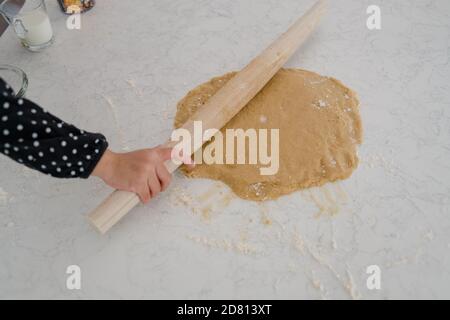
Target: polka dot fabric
x=41 y=141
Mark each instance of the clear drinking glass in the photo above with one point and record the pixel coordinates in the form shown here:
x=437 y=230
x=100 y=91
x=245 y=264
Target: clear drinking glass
x=30 y=21
x=16 y=78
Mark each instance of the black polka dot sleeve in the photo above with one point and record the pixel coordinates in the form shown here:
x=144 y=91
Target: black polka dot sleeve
x=41 y=141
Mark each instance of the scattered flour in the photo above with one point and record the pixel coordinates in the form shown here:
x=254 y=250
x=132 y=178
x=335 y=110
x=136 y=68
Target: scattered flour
x=320 y=104
x=429 y=235
x=227 y=245
x=133 y=85
x=29 y=173
x=257 y=189
x=318 y=285
x=298 y=243
x=405 y=260
x=378 y=160
x=347 y=282
x=4 y=197
x=113 y=109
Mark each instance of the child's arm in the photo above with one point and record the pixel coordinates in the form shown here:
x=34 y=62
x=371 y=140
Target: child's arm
x=43 y=142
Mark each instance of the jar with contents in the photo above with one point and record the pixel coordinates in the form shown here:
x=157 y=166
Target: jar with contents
x=30 y=22
x=76 y=6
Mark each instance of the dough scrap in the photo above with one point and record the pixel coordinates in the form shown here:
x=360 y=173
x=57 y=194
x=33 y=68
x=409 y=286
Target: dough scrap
x=320 y=129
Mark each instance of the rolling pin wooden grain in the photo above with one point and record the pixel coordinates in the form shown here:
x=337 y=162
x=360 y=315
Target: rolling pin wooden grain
x=223 y=106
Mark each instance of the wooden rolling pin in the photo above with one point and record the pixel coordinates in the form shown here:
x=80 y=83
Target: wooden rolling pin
x=223 y=106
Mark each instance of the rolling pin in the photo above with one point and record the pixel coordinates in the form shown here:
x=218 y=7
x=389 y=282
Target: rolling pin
x=223 y=106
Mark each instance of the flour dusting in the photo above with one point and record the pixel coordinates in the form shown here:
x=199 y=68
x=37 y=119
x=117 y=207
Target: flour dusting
x=4 y=197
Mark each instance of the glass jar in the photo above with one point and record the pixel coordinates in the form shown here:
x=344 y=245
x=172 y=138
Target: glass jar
x=76 y=6
x=16 y=78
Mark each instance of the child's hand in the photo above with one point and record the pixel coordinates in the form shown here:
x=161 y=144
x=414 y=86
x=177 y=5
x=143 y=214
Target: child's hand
x=142 y=172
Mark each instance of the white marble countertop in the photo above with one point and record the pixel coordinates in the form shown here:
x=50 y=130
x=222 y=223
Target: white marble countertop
x=122 y=75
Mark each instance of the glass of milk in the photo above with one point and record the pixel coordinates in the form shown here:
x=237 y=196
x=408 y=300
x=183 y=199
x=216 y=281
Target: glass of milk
x=30 y=22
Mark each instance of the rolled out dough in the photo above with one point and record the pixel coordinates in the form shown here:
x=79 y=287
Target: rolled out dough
x=319 y=130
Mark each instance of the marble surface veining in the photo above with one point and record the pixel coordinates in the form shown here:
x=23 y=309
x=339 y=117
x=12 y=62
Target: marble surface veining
x=123 y=73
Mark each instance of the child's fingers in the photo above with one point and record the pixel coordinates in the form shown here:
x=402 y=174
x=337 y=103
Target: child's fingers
x=144 y=193
x=165 y=153
x=154 y=184
x=164 y=176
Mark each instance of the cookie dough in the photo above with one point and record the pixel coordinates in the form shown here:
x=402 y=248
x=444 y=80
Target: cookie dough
x=319 y=131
